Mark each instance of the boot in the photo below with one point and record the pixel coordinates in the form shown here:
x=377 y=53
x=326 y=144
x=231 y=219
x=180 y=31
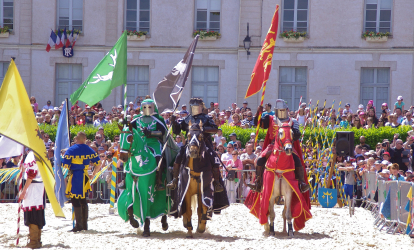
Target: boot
x=85 y=214
x=176 y=171
x=160 y=185
x=34 y=237
x=146 y=232
x=216 y=175
x=299 y=173
x=134 y=223
x=257 y=186
x=78 y=217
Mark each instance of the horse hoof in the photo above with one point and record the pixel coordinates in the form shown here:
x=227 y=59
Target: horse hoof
x=189 y=236
x=165 y=226
x=291 y=234
x=201 y=230
x=146 y=234
x=134 y=223
x=272 y=234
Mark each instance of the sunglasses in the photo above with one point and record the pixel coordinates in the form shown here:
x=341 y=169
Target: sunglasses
x=234 y=154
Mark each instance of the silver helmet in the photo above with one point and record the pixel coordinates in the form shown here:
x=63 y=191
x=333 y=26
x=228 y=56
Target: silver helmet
x=281 y=109
x=148 y=107
x=196 y=106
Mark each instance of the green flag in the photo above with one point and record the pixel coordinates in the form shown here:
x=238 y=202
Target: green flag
x=110 y=72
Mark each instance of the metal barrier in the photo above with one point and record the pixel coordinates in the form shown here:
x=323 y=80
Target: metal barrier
x=237 y=190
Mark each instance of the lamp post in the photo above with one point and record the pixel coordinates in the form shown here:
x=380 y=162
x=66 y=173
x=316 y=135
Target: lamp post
x=247 y=42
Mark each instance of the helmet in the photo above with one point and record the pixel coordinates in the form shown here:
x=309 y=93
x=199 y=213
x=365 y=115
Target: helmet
x=196 y=105
x=281 y=109
x=148 y=107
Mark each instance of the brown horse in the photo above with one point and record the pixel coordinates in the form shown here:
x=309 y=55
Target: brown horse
x=194 y=193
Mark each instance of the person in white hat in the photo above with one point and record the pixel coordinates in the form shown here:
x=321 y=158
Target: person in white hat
x=399 y=104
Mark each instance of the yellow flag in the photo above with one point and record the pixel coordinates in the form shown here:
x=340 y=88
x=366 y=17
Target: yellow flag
x=410 y=193
x=19 y=124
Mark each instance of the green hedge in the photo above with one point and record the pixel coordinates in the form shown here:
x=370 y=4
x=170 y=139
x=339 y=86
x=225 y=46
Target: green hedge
x=110 y=131
x=372 y=136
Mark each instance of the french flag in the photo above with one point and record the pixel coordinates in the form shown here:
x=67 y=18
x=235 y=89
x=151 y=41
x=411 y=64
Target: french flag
x=58 y=42
x=70 y=39
x=74 y=40
x=51 y=42
x=62 y=39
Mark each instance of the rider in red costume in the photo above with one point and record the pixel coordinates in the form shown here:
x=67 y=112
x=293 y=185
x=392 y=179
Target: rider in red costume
x=281 y=113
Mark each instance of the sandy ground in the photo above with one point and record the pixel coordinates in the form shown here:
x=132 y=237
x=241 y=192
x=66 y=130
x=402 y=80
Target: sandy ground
x=235 y=228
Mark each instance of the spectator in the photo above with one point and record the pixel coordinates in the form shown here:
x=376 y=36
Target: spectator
x=380 y=123
x=48 y=120
x=243 y=109
x=89 y=113
x=233 y=165
x=236 y=120
x=258 y=151
x=223 y=142
x=34 y=103
x=178 y=141
x=218 y=136
x=398 y=155
x=399 y=104
x=47 y=141
x=75 y=107
x=48 y=105
x=248 y=122
x=233 y=139
x=220 y=150
x=362 y=141
x=248 y=157
x=395 y=175
x=268 y=110
x=100 y=121
x=370 y=105
x=384 y=175
x=98 y=140
x=360 y=108
x=371 y=113
x=228 y=116
x=398 y=115
x=362 y=117
x=357 y=123
x=350 y=179
x=227 y=156
x=408 y=120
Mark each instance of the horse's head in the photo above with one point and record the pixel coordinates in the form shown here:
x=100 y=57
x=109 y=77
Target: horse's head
x=285 y=137
x=195 y=139
x=125 y=141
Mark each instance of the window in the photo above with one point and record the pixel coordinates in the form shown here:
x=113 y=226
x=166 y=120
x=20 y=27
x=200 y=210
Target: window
x=205 y=83
x=375 y=84
x=70 y=14
x=378 y=15
x=292 y=85
x=137 y=82
x=3 y=69
x=137 y=15
x=208 y=15
x=68 y=80
x=295 y=15
x=6 y=13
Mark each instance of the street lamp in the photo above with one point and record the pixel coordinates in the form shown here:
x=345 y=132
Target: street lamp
x=247 y=42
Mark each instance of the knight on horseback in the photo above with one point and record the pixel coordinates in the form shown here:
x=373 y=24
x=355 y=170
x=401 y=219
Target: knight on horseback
x=209 y=128
x=281 y=113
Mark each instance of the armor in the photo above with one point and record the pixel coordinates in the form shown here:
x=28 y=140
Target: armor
x=148 y=107
x=281 y=110
x=196 y=108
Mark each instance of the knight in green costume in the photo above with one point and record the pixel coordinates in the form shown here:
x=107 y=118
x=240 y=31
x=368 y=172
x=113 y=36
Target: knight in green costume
x=151 y=127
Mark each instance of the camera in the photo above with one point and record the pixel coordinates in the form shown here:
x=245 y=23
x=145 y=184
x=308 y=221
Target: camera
x=384 y=144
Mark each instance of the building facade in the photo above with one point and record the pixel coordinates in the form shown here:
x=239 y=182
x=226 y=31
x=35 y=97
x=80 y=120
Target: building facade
x=334 y=62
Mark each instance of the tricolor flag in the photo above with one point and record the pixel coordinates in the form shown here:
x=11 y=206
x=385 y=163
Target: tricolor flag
x=63 y=37
x=74 y=40
x=51 y=42
x=58 y=44
x=261 y=70
x=70 y=39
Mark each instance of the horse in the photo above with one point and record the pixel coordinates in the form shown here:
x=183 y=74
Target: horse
x=140 y=198
x=283 y=148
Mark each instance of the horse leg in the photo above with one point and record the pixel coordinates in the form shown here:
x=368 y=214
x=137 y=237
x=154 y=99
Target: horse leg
x=188 y=212
x=202 y=214
x=164 y=223
x=284 y=218
x=272 y=215
x=146 y=232
x=288 y=201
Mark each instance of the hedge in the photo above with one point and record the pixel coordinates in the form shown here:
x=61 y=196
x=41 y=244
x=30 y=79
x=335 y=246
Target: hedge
x=373 y=136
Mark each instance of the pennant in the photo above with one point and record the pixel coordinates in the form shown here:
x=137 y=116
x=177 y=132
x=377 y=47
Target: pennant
x=110 y=72
x=168 y=92
x=62 y=142
x=19 y=124
x=261 y=70
x=386 y=208
x=408 y=209
x=9 y=148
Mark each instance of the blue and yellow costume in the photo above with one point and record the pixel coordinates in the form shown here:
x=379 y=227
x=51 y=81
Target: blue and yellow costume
x=77 y=159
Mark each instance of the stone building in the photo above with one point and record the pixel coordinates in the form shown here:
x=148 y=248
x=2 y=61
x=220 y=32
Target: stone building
x=333 y=61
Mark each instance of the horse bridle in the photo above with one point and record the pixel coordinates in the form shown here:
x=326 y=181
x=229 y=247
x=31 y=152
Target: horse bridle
x=130 y=144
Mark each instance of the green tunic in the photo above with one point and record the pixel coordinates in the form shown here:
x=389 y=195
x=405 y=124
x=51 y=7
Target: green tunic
x=152 y=123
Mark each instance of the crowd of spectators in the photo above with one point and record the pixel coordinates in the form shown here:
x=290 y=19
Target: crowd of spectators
x=385 y=158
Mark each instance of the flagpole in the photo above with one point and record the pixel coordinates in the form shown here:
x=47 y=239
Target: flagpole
x=260 y=114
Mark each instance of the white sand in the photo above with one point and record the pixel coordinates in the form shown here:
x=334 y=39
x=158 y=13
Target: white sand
x=235 y=228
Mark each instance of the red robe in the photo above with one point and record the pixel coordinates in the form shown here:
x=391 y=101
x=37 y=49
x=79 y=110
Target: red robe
x=258 y=203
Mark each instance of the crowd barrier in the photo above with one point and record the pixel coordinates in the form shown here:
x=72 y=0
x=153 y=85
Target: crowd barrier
x=237 y=190
x=387 y=201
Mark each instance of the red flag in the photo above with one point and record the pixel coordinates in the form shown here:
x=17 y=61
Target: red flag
x=263 y=65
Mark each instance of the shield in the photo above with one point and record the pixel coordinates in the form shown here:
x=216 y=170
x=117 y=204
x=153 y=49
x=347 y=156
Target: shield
x=327 y=197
